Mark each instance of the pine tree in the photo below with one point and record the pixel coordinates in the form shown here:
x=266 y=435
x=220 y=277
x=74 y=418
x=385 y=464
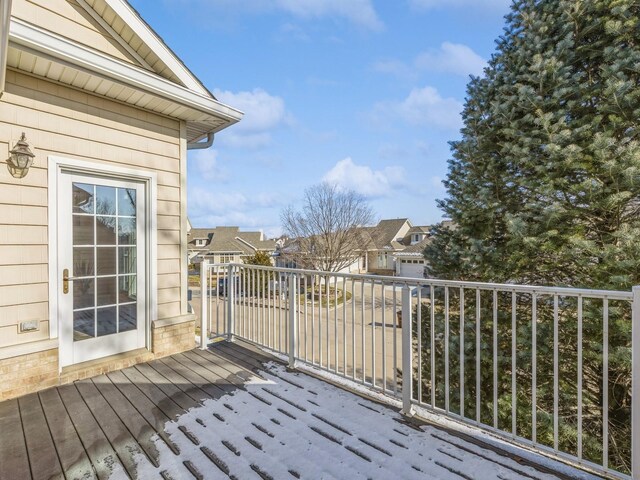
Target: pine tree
x=544 y=184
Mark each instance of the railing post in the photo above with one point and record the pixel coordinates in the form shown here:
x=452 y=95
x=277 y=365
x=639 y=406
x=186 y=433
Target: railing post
x=204 y=299
x=231 y=295
x=293 y=314
x=635 y=384
x=407 y=353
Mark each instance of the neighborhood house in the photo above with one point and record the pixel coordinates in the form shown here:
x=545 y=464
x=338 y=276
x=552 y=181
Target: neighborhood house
x=226 y=244
x=96 y=117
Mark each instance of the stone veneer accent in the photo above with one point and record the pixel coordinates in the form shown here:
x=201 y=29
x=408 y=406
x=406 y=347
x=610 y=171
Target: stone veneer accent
x=32 y=372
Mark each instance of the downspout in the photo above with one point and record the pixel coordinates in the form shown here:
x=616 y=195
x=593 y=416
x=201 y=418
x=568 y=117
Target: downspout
x=5 y=20
x=199 y=145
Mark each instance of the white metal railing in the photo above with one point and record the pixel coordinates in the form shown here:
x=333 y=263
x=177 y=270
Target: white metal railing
x=530 y=364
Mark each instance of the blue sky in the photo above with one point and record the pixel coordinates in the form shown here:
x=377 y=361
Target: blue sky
x=364 y=93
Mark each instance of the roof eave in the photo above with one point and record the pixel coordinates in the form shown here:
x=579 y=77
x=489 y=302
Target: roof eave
x=49 y=45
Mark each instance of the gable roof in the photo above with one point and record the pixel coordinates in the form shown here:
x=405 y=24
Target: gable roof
x=415 y=250
x=106 y=48
x=385 y=234
x=229 y=240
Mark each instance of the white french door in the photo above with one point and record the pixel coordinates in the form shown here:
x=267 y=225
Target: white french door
x=102 y=267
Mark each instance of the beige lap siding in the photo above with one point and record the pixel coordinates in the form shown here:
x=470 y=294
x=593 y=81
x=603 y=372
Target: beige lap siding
x=68 y=123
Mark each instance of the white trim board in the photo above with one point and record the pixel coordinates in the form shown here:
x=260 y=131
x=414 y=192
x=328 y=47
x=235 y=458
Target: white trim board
x=101 y=21
x=49 y=45
x=153 y=41
x=58 y=164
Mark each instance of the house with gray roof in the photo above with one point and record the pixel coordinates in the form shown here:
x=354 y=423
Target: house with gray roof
x=226 y=244
x=386 y=238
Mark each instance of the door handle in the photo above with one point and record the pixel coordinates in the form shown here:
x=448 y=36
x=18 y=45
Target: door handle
x=65 y=280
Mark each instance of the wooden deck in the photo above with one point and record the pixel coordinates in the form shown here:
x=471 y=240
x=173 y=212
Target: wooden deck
x=127 y=424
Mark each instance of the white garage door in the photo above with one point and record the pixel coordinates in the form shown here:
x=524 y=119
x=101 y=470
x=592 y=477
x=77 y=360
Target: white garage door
x=411 y=270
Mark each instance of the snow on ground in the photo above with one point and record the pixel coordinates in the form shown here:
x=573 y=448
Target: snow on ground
x=290 y=425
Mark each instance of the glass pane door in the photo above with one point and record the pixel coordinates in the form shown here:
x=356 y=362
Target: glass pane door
x=105 y=250
x=104 y=260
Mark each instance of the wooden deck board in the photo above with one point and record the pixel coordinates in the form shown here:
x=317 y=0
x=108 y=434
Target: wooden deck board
x=115 y=430
x=184 y=401
x=140 y=429
x=43 y=457
x=116 y=420
x=13 y=448
x=180 y=381
x=215 y=390
x=73 y=458
x=103 y=457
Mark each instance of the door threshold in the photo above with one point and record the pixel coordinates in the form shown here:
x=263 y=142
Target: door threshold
x=103 y=365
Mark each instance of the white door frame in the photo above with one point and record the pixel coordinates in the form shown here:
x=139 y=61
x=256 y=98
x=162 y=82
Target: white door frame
x=57 y=165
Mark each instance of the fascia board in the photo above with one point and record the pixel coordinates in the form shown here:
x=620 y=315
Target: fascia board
x=150 y=38
x=22 y=34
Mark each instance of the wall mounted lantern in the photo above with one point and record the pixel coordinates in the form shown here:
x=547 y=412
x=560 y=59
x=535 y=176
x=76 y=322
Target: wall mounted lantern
x=20 y=159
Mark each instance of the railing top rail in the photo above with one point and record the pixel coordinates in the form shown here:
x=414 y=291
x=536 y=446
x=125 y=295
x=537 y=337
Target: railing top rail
x=418 y=282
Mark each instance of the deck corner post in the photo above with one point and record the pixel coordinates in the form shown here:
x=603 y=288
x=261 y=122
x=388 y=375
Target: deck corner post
x=231 y=293
x=407 y=353
x=635 y=384
x=204 y=299
x=293 y=313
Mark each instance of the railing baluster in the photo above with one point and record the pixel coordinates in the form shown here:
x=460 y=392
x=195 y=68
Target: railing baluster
x=605 y=382
x=384 y=344
x=306 y=320
x=373 y=334
x=293 y=313
x=446 y=349
x=534 y=361
x=335 y=321
x=313 y=320
x=419 y=335
x=432 y=331
x=395 y=341
x=407 y=352
x=344 y=326
x=635 y=384
x=555 y=372
x=364 y=374
x=478 y=333
x=514 y=397
x=495 y=358
x=461 y=355
x=204 y=301
x=580 y=373
x=353 y=328
x=281 y=291
x=327 y=282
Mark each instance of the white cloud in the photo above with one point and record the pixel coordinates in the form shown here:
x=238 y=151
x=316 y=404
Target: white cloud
x=363 y=179
x=262 y=114
x=452 y=58
x=206 y=164
x=424 y=107
x=484 y=4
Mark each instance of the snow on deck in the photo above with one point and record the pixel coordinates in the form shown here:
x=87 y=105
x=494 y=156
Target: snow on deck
x=290 y=425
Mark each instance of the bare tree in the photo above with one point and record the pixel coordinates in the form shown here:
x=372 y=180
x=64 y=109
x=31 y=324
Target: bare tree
x=326 y=232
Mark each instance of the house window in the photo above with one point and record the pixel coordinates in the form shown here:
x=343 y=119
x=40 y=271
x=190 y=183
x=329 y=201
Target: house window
x=227 y=257
x=382 y=260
